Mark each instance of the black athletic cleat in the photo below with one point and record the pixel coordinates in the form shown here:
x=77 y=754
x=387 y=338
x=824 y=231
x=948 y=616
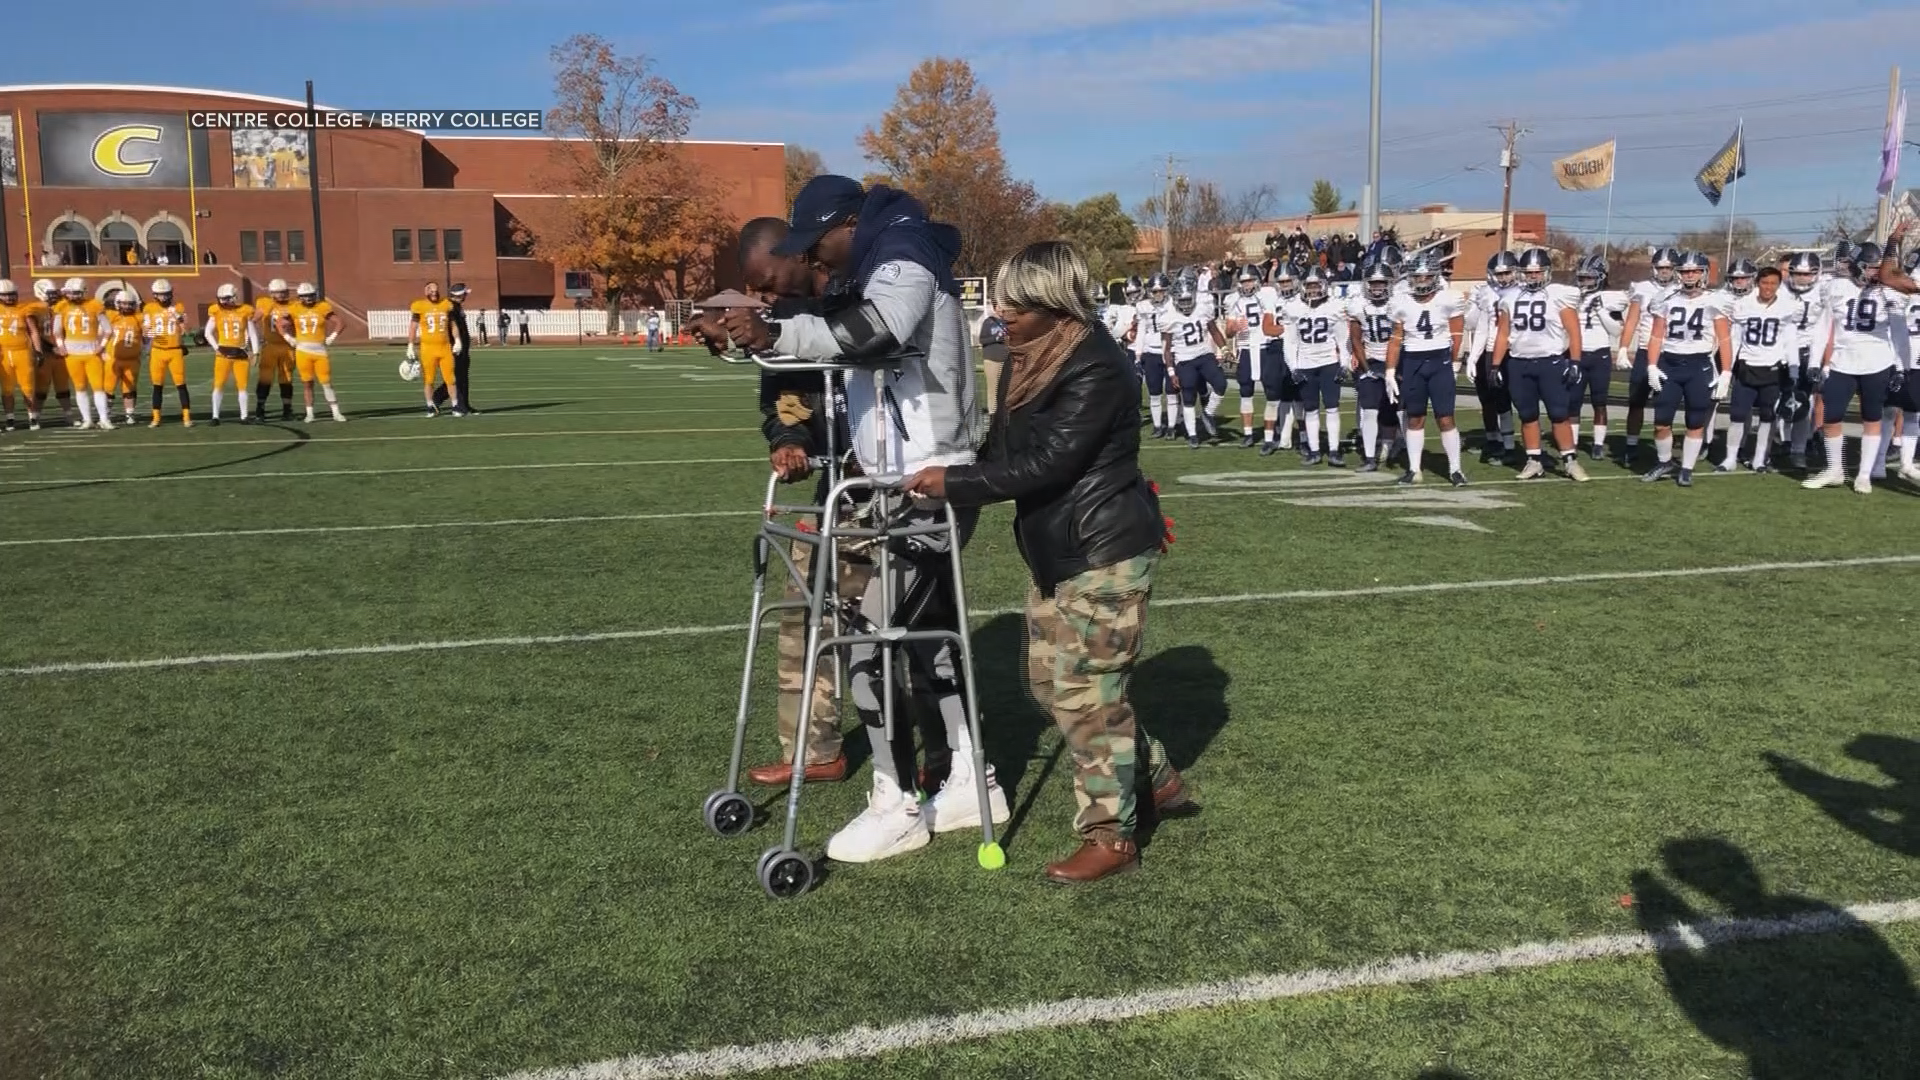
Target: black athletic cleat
x=1684 y=478
x=1248 y=440
x=1269 y=448
x=1370 y=465
x=1660 y=472
x=1336 y=460
x=1193 y=442
x=213 y=421
x=1308 y=457
x=1457 y=479
x=1408 y=478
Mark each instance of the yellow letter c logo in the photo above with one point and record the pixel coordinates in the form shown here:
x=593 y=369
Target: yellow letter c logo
x=110 y=150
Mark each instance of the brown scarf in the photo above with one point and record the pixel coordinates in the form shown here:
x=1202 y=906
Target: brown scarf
x=1033 y=365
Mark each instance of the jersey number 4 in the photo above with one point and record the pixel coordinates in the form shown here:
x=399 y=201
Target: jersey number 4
x=1680 y=324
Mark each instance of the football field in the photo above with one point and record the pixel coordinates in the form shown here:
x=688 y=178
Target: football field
x=378 y=749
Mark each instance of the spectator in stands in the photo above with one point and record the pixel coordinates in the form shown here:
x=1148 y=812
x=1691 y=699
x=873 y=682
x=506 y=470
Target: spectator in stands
x=526 y=334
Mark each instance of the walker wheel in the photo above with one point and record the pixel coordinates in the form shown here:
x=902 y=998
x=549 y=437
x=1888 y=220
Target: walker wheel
x=728 y=813
x=785 y=874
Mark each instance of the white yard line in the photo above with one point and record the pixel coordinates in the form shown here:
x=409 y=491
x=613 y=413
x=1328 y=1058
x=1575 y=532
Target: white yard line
x=867 y=1042
x=71 y=481
x=323 y=440
x=316 y=530
x=92 y=666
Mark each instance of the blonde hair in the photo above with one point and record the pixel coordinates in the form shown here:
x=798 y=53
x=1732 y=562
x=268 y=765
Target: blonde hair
x=1048 y=276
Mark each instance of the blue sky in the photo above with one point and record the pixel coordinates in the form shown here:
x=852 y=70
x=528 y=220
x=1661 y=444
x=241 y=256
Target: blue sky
x=1093 y=93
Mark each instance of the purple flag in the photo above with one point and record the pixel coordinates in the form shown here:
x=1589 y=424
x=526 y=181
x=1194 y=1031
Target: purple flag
x=1890 y=147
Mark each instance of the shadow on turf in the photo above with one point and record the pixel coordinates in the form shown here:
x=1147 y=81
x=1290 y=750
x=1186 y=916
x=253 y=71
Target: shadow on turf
x=1830 y=1006
x=1887 y=814
x=405 y=410
x=300 y=439
x=1180 y=695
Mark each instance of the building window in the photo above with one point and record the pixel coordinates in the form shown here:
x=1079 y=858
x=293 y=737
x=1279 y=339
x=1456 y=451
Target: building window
x=402 y=245
x=73 y=244
x=429 y=246
x=272 y=244
x=168 y=245
x=454 y=245
x=249 y=246
x=296 y=246
x=119 y=244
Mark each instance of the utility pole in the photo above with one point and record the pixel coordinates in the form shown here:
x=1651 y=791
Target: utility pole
x=1509 y=161
x=1370 y=196
x=1168 y=186
x=1881 y=224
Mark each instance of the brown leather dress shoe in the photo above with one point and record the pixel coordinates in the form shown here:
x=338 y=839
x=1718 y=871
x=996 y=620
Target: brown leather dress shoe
x=780 y=773
x=1171 y=796
x=1096 y=859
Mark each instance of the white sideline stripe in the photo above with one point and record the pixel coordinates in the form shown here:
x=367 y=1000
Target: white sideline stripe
x=201 y=444
x=86 y=666
x=1387 y=487
x=867 y=1042
x=72 y=480
x=311 y=530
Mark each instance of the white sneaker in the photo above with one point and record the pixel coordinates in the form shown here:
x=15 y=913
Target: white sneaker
x=1863 y=485
x=1533 y=470
x=1574 y=472
x=309 y=418
x=1825 y=478
x=957 y=805
x=1910 y=473
x=890 y=825
x=103 y=424
x=338 y=416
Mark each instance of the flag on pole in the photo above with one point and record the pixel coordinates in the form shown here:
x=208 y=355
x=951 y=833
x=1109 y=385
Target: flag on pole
x=1890 y=147
x=1586 y=170
x=1729 y=163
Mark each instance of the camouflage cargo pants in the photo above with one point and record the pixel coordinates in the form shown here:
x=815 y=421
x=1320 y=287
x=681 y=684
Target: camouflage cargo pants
x=1081 y=645
x=823 y=727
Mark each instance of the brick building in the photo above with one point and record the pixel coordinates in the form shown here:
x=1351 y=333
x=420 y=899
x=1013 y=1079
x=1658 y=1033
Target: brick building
x=112 y=183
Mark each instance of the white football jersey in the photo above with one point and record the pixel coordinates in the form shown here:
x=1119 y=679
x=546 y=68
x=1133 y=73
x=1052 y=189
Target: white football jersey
x=1810 y=317
x=1765 y=335
x=1375 y=322
x=1316 y=333
x=1690 y=322
x=1146 y=326
x=1600 y=314
x=1119 y=320
x=1869 y=327
x=1649 y=295
x=1426 y=325
x=1251 y=308
x=1191 y=340
x=1535 y=331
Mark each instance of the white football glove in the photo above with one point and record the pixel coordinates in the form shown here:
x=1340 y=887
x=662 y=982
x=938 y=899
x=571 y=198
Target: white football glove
x=332 y=336
x=1820 y=375
x=1723 y=385
x=1623 y=360
x=411 y=355
x=1393 y=388
x=1655 y=378
x=1469 y=365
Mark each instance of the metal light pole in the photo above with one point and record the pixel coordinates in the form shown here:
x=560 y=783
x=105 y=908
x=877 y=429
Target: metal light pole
x=1370 y=195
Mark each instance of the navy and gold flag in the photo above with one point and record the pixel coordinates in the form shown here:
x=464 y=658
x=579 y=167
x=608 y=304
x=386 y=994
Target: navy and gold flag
x=1729 y=163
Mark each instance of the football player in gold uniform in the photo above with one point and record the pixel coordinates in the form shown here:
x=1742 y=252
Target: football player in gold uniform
x=236 y=341
x=51 y=374
x=20 y=346
x=432 y=328
x=79 y=326
x=165 y=324
x=309 y=326
x=122 y=344
x=276 y=357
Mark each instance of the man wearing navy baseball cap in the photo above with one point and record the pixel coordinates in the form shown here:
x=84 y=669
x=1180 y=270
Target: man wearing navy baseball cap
x=897 y=314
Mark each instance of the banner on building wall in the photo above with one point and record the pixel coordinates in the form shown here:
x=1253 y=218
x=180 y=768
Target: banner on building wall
x=121 y=150
x=270 y=158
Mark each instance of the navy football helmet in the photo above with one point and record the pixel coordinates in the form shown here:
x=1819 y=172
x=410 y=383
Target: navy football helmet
x=1536 y=268
x=1379 y=281
x=1501 y=268
x=1692 y=271
x=1740 y=277
x=1803 y=271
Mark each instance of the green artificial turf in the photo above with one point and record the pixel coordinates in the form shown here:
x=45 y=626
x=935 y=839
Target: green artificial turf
x=467 y=861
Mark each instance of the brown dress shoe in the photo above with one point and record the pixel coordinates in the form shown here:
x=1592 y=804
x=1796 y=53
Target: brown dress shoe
x=1171 y=796
x=1095 y=859
x=780 y=773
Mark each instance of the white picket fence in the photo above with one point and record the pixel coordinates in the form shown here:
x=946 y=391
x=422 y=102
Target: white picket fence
x=578 y=325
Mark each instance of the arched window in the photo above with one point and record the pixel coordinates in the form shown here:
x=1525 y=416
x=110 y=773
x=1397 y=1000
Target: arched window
x=120 y=243
x=168 y=244
x=73 y=243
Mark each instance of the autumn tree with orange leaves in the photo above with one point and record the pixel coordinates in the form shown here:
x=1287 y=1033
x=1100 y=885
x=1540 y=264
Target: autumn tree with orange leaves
x=635 y=213
x=941 y=142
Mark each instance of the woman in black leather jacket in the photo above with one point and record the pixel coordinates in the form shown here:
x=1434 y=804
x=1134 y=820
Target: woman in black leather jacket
x=1064 y=447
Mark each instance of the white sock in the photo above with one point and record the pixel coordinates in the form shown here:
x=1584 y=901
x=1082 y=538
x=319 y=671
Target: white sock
x=1450 y=441
x=1210 y=401
x=1836 y=445
x=1333 y=429
x=1369 y=432
x=1313 y=431
x=327 y=389
x=1869 y=452
x=1191 y=414
x=1158 y=406
x=86 y=409
x=104 y=406
x=1272 y=417
x=1246 y=417
x=1689 y=450
x=1761 y=446
x=1663 y=448
x=1736 y=434
x=1599 y=437
x=217 y=392
x=242 y=395
x=1909 y=439
x=1416 y=447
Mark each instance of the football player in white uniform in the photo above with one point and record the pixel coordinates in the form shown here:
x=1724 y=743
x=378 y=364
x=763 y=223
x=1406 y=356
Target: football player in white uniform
x=1249 y=312
x=1118 y=319
x=1194 y=343
x=1483 y=322
x=1909 y=395
x=1643 y=299
x=1868 y=352
x=1150 y=357
x=1317 y=337
x=1690 y=362
x=1286 y=288
x=1429 y=326
x=1370 y=316
x=1601 y=310
x=1766 y=339
x=1539 y=324
x=1807 y=291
